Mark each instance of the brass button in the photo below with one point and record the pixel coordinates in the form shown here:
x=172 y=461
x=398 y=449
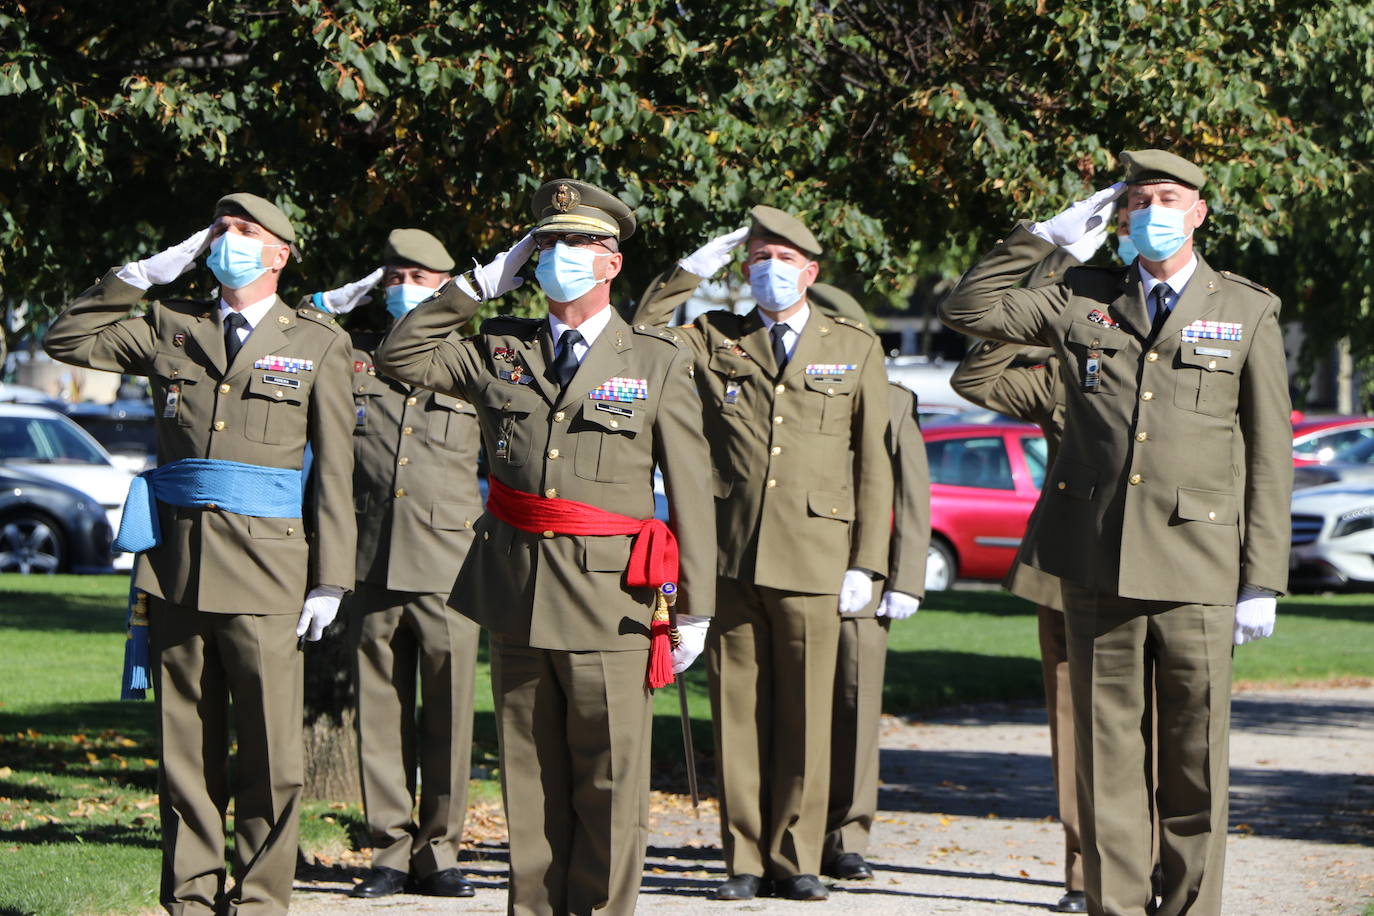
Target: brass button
x=467 y=523
x=219 y=425
x=1062 y=485
x=772 y=483
x=780 y=389
x=408 y=431
x=834 y=510
x=404 y=461
x=277 y=393
x=1152 y=356
x=777 y=421
x=290 y=530
x=551 y=492
x=553 y=453
x=775 y=450
x=1141 y=437
x=410 y=401
x=486 y=535
x=1211 y=516
x=1147 y=395
x=400 y=491
x=830 y=391
x=211 y=506
x=176 y=372
x=362 y=388
x=1135 y=479
x=1211 y=364
x=223 y=389
x=558 y=417
x=548 y=534
x=1096 y=342
x=615 y=424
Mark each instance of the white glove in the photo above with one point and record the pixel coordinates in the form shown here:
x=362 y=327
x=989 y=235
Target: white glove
x=166 y=265
x=897 y=605
x=500 y=276
x=1087 y=246
x=856 y=591
x=321 y=607
x=346 y=298
x=1071 y=225
x=691 y=633
x=1256 y=609
x=715 y=254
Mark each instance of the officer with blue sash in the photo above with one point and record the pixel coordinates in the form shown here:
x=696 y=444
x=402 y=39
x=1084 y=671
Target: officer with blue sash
x=238 y=556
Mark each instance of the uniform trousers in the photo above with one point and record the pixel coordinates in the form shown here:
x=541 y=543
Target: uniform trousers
x=1054 y=665
x=574 y=735
x=771 y=658
x=202 y=662
x=400 y=637
x=1117 y=647
x=862 y=660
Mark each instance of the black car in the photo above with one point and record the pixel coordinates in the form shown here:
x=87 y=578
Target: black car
x=46 y=527
x=127 y=429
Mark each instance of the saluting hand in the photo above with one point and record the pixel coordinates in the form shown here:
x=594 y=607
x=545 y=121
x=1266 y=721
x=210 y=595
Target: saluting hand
x=1256 y=611
x=502 y=274
x=856 y=591
x=1087 y=246
x=897 y=605
x=715 y=254
x=321 y=607
x=346 y=298
x=166 y=265
x=1068 y=227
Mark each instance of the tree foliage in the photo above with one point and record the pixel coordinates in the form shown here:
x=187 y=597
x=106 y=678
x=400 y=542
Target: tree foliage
x=910 y=132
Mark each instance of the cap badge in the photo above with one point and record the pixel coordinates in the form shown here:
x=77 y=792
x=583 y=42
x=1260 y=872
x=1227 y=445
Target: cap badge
x=565 y=198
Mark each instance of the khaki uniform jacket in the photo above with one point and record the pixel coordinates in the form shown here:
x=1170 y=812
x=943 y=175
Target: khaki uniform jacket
x=568 y=592
x=792 y=511
x=1180 y=459
x=414 y=478
x=910 y=539
x=211 y=559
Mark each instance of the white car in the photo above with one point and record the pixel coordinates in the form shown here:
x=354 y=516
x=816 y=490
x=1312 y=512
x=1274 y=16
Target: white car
x=1333 y=535
x=44 y=443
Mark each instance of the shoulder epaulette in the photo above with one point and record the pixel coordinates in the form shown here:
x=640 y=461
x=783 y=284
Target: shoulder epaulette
x=1246 y=281
x=661 y=333
x=852 y=323
x=323 y=318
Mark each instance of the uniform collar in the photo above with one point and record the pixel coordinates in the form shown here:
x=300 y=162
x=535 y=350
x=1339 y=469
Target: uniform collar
x=1175 y=283
x=589 y=329
x=794 y=324
x=253 y=314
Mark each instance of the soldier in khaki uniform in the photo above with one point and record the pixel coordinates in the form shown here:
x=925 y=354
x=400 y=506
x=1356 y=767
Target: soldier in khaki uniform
x=1176 y=456
x=796 y=414
x=576 y=412
x=415 y=487
x=239 y=388
x=863 y=636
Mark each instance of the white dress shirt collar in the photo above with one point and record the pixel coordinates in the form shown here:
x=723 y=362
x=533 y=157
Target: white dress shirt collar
x=794 y=326
x=1176 y=282
x=590 y=330
x=251 y=313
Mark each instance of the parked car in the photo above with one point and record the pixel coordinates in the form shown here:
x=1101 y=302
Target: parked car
x=1333 y=536
x=47 y=527
x=43 y=443
x=984 y=481
x=1316 y=440
x=23 y=394
x=127 y=429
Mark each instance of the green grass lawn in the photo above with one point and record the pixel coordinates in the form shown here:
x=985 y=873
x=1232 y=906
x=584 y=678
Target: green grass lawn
x=78 y=816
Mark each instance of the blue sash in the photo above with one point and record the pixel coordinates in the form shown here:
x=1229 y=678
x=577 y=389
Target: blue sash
x=243 y=489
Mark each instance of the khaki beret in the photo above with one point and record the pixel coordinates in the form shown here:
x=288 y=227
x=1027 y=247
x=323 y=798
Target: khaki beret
x=836 y=301
x=770 y=222
x=416 y=246
x=567 y=205
x=260 y=210
x=1152 y=166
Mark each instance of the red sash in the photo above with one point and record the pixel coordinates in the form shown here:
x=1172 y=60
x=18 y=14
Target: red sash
x=653 y=556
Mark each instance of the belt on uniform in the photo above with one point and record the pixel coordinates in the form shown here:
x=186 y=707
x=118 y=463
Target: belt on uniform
x=243 y=489
x=653 y=556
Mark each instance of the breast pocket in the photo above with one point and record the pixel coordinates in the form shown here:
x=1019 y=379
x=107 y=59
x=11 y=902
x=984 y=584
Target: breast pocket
x=176 y=396
x=275 y=412
x=605 y=432
x=830 y=403
x=1206 y=383
x=508 y=408
x=1093 y=347
x=450 y=419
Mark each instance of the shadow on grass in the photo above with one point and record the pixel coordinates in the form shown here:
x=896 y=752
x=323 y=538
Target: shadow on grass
x=978 y=601
x=1341 y=607
x=71 y=832
x=38 y=611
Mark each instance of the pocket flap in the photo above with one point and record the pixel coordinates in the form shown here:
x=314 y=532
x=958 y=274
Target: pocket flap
x=278 y=386
x=449 y=402
x=509 y=398
x=1073 y=479
x=614 y=416
x=274 y=528
x=1096 y=337
x=830 y=504
x=177 y=369
x=446 y=515
x=832 y=385
x=1207 y=362
x=1212 y=506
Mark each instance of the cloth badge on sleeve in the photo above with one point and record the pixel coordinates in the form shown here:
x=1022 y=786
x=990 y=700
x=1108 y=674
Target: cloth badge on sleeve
x=285 y=364
x=1211 y=330
x=621 y=389
x=829 y=368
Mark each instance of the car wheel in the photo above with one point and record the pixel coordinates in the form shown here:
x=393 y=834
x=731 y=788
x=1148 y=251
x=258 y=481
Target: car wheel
x=31 y=542
x=941 y=567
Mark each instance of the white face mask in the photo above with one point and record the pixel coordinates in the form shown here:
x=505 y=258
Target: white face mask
x=775 y=284
x=567 y=272
x=1158 y=230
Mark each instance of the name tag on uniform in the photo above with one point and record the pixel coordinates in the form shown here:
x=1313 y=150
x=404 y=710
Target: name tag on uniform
x=615 y=409
x=1211 y=351
x=282 y=380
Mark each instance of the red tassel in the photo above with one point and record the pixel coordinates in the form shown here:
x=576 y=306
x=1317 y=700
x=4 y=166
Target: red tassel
x=660 y=647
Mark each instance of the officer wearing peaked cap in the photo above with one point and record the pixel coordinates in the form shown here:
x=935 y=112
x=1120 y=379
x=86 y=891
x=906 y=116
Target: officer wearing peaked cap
x=796 y=412
x=415 y=485
x=1174 y=377
x=576 y=409
x=231 y=580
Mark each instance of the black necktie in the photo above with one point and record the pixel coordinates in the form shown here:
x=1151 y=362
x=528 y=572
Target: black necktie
x=565 y=363
x=232 y=343
x=779 y=348
x=1161 y=310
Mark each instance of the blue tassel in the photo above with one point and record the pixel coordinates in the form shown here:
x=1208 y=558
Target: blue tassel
x=135 y=680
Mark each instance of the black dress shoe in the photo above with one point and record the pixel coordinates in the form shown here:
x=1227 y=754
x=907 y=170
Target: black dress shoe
x=1072 y=902
x=380 y=882
x=738 y=887
x=447 y=883
x=848 y=866
x=801 y=887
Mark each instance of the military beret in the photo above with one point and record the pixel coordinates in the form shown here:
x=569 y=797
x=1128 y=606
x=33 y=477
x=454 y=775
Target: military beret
x=770 y=222
x=1152 y=166
x=416 y=246
x=566 y=205
x=260 y=210
x=836 y=301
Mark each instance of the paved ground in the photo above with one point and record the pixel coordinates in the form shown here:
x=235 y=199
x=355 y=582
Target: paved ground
x=966 y=825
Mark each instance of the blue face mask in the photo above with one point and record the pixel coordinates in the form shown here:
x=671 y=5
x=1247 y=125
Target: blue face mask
x=567 y=272
x=236 y=260
x=1125 y=249
x=403 y=297
x=774 y=284
x=1158 y=231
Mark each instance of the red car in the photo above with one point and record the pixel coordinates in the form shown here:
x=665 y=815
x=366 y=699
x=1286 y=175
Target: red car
x=984 y=481
x=1316 y=440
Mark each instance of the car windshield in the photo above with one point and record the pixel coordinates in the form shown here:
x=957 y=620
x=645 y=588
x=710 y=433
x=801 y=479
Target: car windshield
x=1361 y=452
x=973 y=462
x=1325 y=446
x=45 y=439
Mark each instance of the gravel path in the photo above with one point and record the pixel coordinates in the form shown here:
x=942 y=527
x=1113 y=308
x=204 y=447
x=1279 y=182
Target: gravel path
x=966 y=827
